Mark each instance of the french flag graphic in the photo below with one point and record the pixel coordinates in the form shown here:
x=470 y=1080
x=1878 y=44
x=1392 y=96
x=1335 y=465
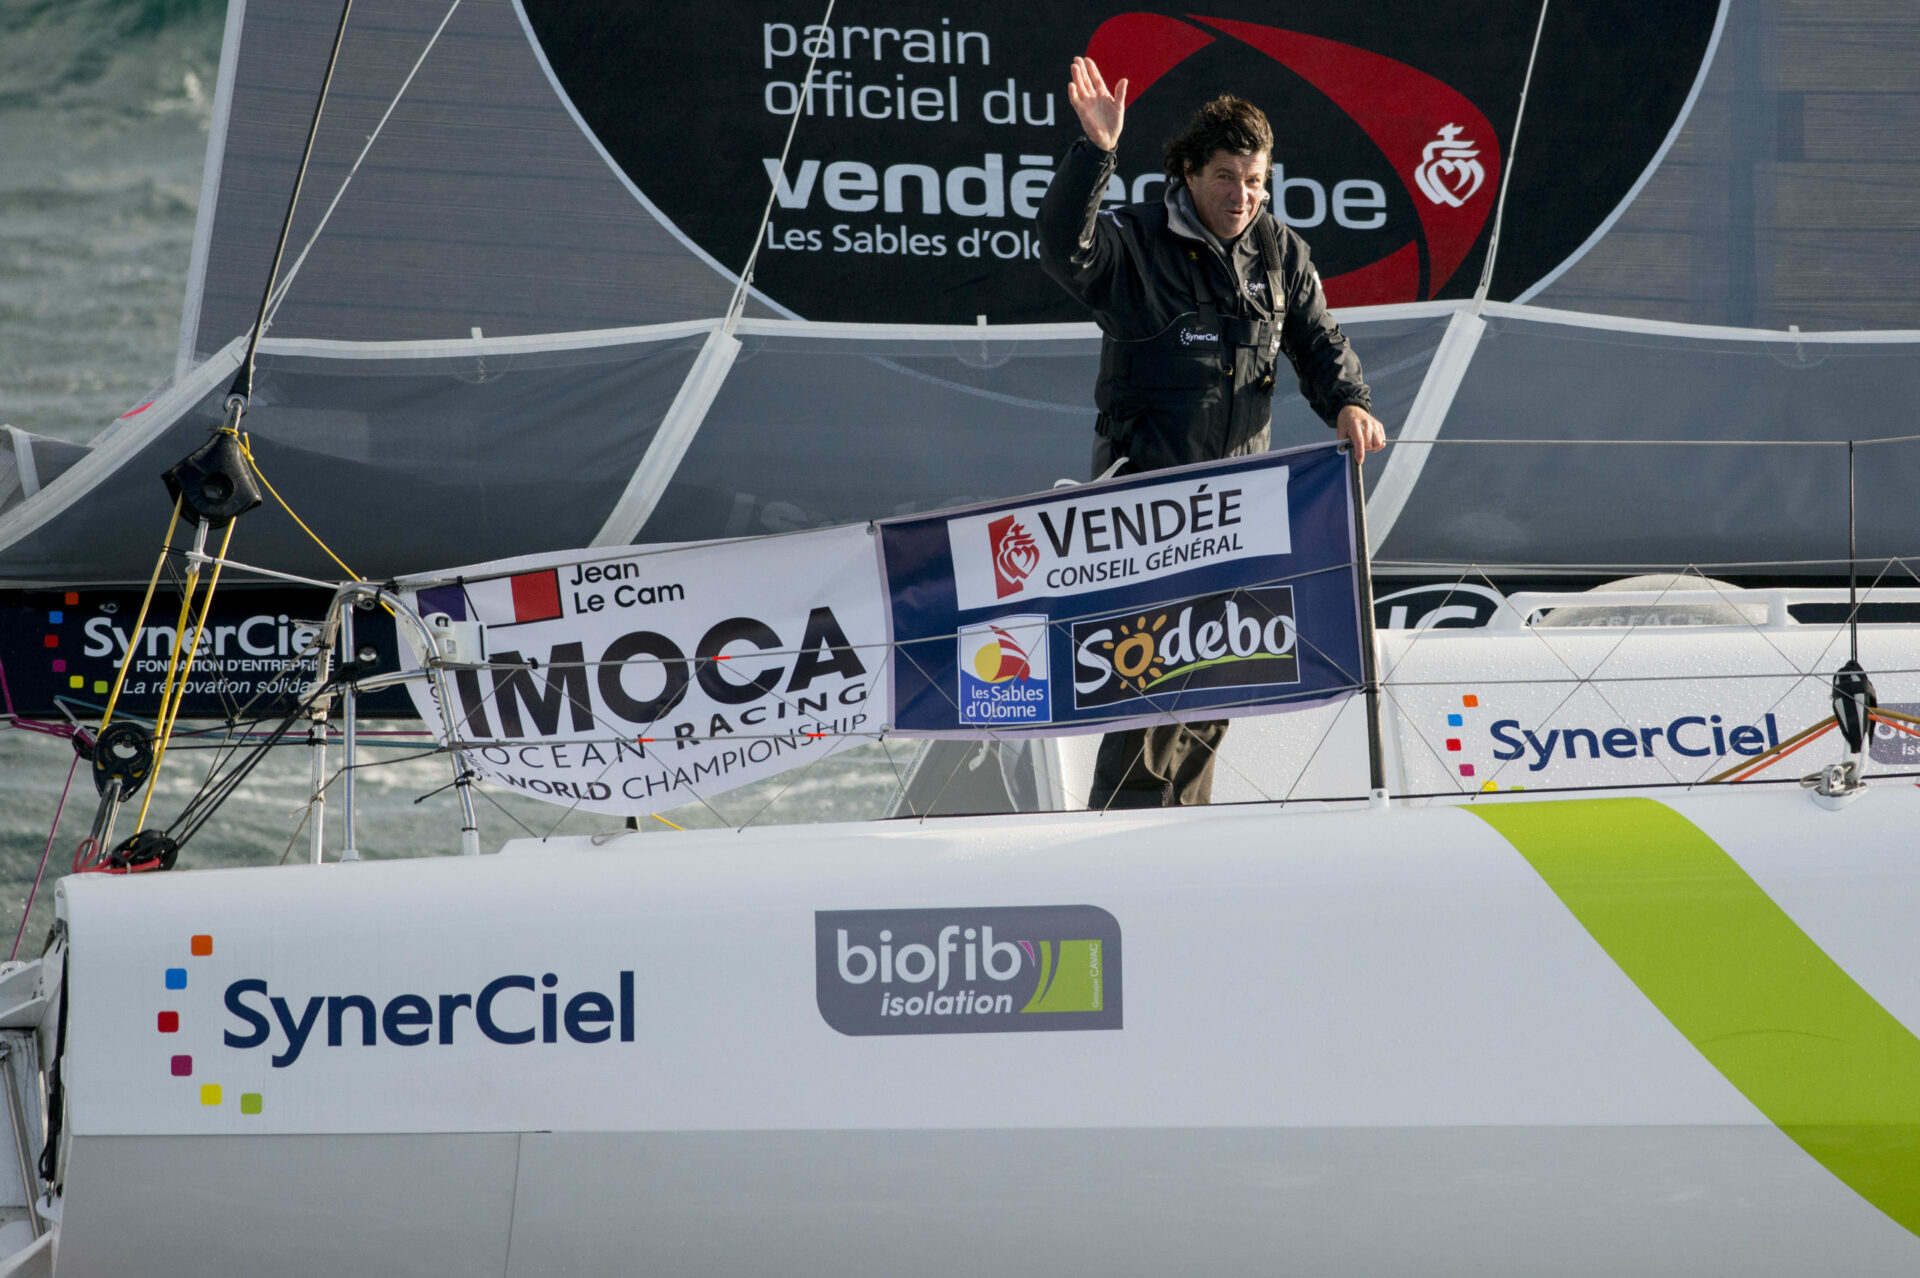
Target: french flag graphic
x=536 y=596
x=451 y=600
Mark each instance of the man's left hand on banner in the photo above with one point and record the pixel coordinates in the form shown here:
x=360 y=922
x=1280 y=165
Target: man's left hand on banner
x=1362 y=429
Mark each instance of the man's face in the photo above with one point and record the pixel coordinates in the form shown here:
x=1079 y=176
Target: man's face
x=1228 y=190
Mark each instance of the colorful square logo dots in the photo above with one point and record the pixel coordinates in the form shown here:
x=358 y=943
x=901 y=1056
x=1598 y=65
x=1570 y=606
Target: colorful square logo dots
x=210 y=1093
x=183 y=1066
x=249 y=1102
x=176 y=978
x=169 y=1022
x=1470 y=701
x=1466 y=769
x=201 y=946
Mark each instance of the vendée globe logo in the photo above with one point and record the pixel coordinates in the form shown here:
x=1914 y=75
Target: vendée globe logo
x=998 y=970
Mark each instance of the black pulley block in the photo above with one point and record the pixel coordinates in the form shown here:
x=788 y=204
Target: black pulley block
x=123 y=753
x=147 y=850
x=214 y=482
x=1853 y=702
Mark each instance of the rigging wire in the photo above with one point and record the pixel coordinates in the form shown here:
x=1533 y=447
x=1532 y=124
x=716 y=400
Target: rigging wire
x=1506 y=175
x=27 y=911
x=279 y=294
x=737 y=306
x=1853 y=567
x=242 y=388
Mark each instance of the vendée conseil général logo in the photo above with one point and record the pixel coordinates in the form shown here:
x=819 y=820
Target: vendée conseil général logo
x=994 y=970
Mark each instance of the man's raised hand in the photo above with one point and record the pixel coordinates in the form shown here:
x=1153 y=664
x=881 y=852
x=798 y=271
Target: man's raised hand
x=1102 y=111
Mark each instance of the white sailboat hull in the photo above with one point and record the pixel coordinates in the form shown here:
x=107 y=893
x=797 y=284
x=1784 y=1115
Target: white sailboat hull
x=1335 y=1042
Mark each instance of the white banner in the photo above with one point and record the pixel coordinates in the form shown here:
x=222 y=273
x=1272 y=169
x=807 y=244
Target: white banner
x=631 y=681
x=1103 y=538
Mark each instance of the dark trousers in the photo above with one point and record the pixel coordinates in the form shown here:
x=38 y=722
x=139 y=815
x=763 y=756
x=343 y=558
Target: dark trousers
x=1169 y=765
x=1166 y=766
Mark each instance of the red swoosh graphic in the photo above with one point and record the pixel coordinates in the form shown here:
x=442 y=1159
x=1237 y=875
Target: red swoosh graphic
x=1141 y=47
x=1402 y=110
x=1399 y=108
x=1394 y=278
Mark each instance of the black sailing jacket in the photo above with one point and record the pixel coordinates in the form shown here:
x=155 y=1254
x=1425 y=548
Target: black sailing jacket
x=1189 y=348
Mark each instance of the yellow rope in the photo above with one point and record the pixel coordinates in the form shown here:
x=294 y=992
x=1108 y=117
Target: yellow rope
x=663 y=821
x=126 y=658
x=176 y=692
x=246 y=451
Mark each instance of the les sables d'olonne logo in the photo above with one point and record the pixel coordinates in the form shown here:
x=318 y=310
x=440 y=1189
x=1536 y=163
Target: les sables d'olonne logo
x=1003 y=671
x=994 y=970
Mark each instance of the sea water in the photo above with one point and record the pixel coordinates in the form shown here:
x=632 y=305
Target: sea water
x=105 y=107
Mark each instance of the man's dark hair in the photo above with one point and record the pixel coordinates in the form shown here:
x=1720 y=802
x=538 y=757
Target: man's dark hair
x=1227 y=123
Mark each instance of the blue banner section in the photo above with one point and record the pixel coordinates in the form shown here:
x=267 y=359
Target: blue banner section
x=1203 y=592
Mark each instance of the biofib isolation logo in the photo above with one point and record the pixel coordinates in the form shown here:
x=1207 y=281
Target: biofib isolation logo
x=1003 y=672
x=998 y=970
x=1235 y=639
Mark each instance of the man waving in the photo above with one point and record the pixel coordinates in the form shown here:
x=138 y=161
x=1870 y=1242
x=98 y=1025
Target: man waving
x=1197 y=297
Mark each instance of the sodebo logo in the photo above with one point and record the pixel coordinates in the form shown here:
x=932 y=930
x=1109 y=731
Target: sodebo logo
x=971 y=971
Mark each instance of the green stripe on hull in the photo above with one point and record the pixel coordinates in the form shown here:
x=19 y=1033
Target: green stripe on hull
x=1814 y=1052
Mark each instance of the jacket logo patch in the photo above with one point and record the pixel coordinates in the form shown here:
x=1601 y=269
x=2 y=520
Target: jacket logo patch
x=1189 y=336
